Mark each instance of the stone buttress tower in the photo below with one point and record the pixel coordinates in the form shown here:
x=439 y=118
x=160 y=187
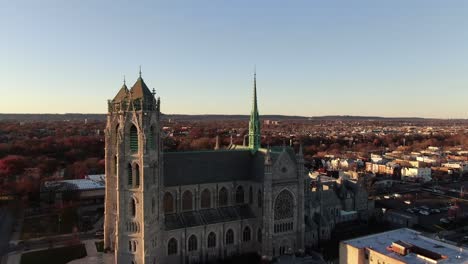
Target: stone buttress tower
x=133 y=158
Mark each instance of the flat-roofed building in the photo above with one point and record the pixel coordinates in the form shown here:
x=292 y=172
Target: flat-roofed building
x=88 y=191
x=400 y=246
x=400 y=219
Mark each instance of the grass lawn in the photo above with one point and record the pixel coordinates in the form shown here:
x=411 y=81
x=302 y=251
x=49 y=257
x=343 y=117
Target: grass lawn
x=47 y=225
x=61 y=255
x=99 y=246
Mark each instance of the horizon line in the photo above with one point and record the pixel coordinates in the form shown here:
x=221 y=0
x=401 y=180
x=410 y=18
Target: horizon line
x=247 y=115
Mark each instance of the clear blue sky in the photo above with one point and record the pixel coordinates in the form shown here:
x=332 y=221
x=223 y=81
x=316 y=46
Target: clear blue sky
x=386 y=58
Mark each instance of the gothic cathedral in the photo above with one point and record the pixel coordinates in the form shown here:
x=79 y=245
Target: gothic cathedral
x=199 y=206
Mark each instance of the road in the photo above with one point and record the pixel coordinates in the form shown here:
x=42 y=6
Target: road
x=6 y=228
x=51 y=241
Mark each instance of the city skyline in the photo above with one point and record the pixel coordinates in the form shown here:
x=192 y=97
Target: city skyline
x=394 y=59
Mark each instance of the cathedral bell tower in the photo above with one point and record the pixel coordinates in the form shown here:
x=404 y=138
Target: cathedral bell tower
x=133 y=158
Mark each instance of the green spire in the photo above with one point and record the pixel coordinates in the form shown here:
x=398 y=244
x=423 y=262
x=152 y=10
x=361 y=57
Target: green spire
x=254 y=123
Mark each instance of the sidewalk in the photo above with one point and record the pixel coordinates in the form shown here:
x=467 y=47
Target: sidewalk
x=14 y=258
x=18 y=228
x=91 y=249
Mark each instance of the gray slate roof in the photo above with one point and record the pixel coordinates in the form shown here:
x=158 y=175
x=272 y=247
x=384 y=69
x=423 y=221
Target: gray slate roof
x=198 y=167
x=208 y=216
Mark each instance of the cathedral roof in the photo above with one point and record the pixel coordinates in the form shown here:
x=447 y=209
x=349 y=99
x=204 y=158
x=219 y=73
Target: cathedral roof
x=122 y=94
x=140 y=90
x=198 y=167
x=208 y=216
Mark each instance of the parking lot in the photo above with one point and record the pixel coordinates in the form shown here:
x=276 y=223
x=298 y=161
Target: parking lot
x=434 y=213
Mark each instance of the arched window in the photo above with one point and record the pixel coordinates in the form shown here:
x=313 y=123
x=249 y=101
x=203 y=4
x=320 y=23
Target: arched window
x=130 y=246
x=250 y=195
x=260 y=199
x=129 y=174
x=133 y=207
x=229 y=237
x=153 y=205
x=172 y=247
x=168 y=203
x=187 y=201
x=211 y=240
x=284 y=205
x=259 y=235
x=133 y=139
x=206 y=199
x=223 y=197
x=136 y=173
x=116 y=164
x=116 y=135
x=240 y=195
x=192 y=243
x=246 y=234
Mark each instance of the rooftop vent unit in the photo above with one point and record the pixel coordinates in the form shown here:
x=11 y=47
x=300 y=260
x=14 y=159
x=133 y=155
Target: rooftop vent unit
x=403 y=248
x=400 y=247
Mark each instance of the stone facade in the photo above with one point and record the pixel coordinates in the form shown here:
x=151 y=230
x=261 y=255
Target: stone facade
x=191 y=207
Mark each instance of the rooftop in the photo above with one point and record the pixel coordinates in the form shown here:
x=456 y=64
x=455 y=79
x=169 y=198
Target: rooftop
x=92 y=182
x=208 y=216
x=422 y=247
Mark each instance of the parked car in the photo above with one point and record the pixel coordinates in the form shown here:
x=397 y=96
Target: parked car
x=424 y=212
x=444 y=220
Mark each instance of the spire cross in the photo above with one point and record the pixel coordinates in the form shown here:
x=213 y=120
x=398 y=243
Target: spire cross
x=140 y=71
x=124 y=80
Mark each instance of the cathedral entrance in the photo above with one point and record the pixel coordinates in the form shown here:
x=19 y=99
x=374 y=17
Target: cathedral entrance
x=282 y=250
x=285 y=248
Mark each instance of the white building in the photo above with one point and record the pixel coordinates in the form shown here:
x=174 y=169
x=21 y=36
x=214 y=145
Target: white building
x=456 y=165
x=427 y=159
x=416 y=173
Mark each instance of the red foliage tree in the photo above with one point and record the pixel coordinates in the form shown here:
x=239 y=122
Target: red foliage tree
x=12 y=165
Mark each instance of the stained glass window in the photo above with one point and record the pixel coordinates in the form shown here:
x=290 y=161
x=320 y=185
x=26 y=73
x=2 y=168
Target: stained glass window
x=284 y=205
x=211 y=240
x=206 y=199
x=172 y=247
x=187 y=201
x=192 y=243
x=223 y=197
